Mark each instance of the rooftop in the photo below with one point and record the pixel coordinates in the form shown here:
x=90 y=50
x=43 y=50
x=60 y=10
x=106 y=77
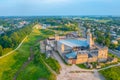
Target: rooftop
x=71 y=55
x=74 y=43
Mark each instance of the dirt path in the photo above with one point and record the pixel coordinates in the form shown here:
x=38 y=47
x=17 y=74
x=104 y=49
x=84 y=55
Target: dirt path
x=14 y=49
x=29 y=60
x=25 y=63
x=75 y=73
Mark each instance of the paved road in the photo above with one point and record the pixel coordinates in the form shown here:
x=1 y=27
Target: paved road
x=114 y=52
x=14 y=49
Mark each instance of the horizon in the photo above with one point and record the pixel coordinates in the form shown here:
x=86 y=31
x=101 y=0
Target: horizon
x=59 y=8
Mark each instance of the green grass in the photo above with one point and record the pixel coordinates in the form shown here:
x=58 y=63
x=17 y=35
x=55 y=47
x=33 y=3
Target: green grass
x=47 y=32
x=6 y=50
x=111 y=73
x=103 y=21
x=10 y=64
x=82 y=66
x=52 y=63
x=35 y=71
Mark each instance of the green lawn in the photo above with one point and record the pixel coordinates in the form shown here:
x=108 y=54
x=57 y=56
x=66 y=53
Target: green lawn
x=10 y=64
x=82 y=66
x=111 y=73
x=35 y=71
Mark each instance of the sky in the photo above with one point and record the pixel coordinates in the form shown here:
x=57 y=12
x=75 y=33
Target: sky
x=59 y=7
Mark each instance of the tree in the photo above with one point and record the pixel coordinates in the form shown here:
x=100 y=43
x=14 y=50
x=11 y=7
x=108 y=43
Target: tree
x=107 y=42
x=1 y=50
x=5 y=41
x=15 y=38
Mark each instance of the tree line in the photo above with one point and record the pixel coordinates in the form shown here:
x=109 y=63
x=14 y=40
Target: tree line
x=104 y=39
x=11 y=40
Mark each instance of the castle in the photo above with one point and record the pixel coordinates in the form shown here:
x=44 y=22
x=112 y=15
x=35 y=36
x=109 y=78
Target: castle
x=80 y=50
x=74 y=49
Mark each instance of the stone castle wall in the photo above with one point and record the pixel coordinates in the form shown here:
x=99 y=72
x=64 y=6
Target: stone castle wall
x=103 y=54
x=92 y=59
x=82 y=58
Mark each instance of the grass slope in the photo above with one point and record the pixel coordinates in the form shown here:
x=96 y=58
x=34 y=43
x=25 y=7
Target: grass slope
x=52 y=63
x=10 y=64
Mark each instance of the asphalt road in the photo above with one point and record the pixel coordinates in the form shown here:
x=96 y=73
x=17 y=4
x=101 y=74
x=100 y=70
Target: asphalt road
x=114 y=52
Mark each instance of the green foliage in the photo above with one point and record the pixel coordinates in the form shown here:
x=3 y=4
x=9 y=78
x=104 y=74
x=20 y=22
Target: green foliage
x=6 y=50
x=111 y=73
x=66 y=27
x=103 y=39
x=10 y=64
x=47 y=32
x=114 y=56
x=35 y=71
x=113 y=46
x=63 y=29
x=13 y=39
x=1 y=50
x=107 y=42
x=82 y=66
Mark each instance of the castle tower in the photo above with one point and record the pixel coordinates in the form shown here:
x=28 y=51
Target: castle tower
x=90 y=39
x=57 y=37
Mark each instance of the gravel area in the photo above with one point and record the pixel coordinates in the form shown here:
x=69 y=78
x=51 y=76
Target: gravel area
x=75 y=73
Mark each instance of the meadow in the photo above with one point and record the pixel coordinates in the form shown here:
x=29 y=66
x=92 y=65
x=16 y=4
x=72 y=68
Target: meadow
x=35 y=70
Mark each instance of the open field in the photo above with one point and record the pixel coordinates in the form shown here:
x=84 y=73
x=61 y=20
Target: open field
x=10 y=64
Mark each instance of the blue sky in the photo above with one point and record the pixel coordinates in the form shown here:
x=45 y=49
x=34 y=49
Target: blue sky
x=59 y=7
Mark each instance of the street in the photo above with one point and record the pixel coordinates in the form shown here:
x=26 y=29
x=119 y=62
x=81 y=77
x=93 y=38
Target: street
x=114 y=52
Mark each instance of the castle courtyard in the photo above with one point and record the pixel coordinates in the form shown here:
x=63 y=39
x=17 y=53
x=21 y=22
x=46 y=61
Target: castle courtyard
x=75 y=73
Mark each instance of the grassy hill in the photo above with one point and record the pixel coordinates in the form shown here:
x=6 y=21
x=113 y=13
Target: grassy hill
x=35 y=70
